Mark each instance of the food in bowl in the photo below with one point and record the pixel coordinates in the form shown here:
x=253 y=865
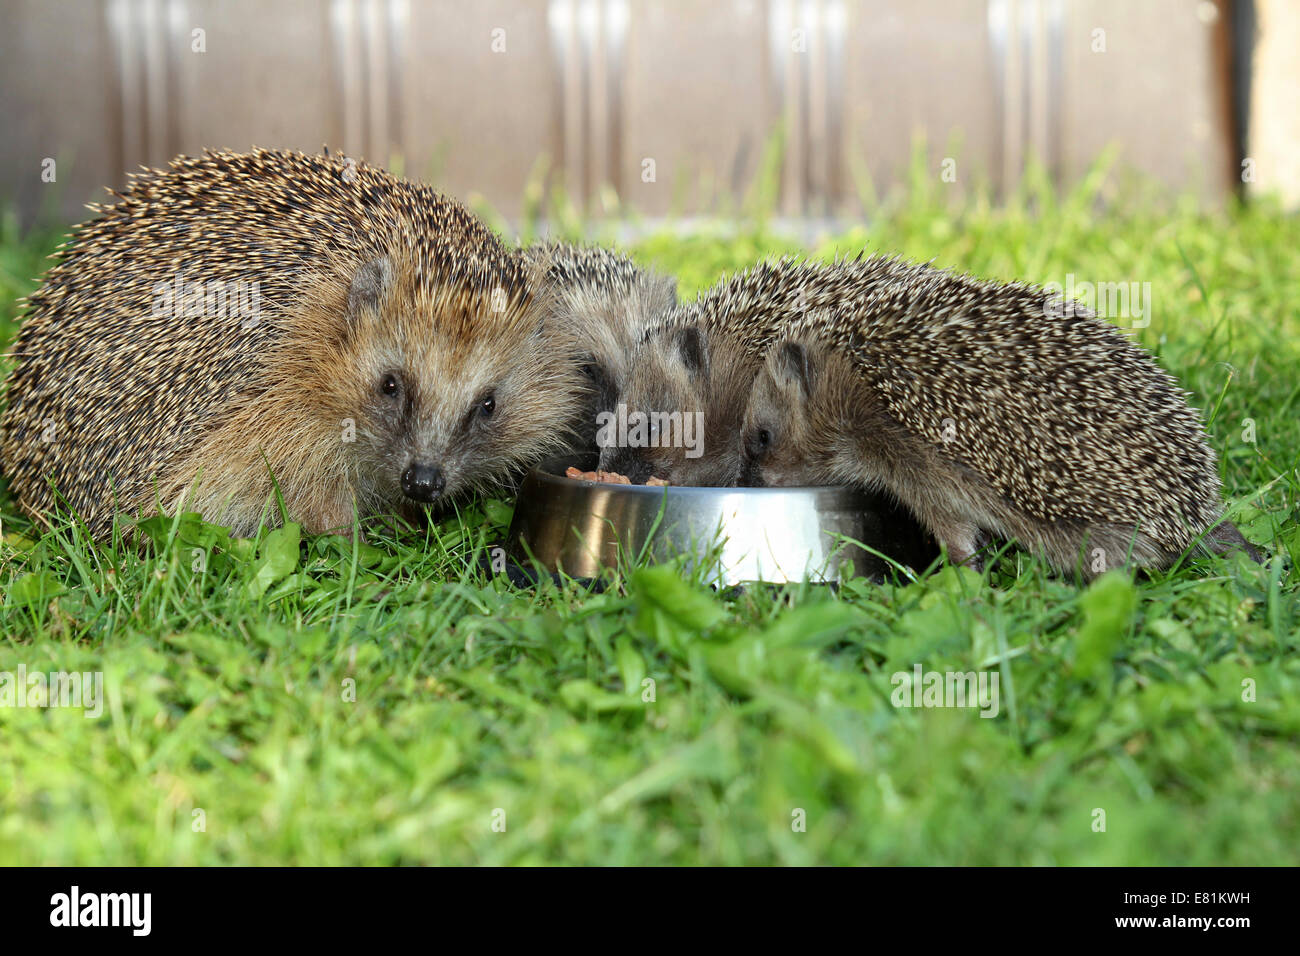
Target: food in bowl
x=610 y=477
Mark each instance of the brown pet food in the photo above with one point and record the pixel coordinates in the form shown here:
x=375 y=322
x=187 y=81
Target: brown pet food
x=608 y=477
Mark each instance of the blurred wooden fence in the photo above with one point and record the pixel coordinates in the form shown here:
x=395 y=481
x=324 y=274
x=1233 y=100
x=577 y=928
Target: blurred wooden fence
x=666 y=103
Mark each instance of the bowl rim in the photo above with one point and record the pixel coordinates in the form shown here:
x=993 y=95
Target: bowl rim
x=541 y=474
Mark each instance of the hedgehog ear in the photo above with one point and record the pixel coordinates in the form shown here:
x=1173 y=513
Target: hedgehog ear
x=369 y=286
x=690 y=345
x=792 y=366
x=663 y=292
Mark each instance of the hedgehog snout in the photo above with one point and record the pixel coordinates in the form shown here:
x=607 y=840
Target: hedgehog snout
x=423 y=482
x=625 y=461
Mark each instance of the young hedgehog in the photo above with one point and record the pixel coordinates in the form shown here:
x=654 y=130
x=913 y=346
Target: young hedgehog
x=699 y=363
x=988 y=410
x=597 y=305
x=236 y=319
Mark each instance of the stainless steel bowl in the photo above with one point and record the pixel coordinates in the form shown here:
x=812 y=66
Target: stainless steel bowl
x=743 y=534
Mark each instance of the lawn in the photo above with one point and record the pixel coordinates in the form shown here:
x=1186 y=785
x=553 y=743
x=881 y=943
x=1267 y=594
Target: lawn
x=326 y=701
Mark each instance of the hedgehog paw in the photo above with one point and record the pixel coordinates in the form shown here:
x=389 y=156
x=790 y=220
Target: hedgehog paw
x=963 y=545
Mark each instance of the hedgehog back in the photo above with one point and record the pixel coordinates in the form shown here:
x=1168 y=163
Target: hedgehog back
x=1064 y=414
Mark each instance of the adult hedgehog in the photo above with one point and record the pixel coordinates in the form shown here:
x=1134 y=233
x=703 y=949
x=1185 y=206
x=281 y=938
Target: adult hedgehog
x=240 y=324
x=990 y=411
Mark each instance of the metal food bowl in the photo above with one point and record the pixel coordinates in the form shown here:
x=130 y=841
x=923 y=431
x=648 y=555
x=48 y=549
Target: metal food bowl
x=581 y=527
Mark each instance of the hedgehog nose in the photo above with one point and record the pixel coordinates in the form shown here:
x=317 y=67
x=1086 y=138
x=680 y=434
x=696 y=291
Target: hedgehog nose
x=423 y=482
x=629 y=463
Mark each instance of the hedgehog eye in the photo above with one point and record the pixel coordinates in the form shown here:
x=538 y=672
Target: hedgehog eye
x=764 y=438
x=487 y=406
x=390 y=386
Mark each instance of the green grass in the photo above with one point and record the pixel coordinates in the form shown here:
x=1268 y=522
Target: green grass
x=334 y=702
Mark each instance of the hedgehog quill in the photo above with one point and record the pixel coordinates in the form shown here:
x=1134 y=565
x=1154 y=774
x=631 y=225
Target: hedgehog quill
x=990 y=411
x=384 y=351
x=598 y=305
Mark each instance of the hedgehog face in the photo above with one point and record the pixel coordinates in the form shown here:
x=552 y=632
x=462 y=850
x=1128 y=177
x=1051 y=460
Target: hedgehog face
x=597 y=306
x=614 y=322
x=675 y=417
x=782 y=444
x=443 y=416
x=603 y=340
x=444 y=405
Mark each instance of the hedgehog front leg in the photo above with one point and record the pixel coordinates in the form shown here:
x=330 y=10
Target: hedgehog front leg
x=963 y=546
x=330 y=514
x=959 y=536
x=948 y=502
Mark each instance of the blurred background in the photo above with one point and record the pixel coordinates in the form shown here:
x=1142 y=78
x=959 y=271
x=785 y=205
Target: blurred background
x=680 y=108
